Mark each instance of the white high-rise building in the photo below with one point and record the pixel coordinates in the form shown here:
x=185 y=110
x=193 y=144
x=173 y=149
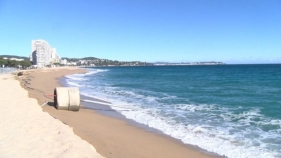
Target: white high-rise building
x=43 y=54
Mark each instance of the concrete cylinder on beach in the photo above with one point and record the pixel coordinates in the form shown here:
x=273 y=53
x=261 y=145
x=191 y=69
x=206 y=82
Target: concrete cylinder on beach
x=67 y=98
x=74 y=99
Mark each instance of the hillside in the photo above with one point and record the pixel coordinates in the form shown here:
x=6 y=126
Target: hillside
x=14 y=56
x=88 y=61
x=77 y=59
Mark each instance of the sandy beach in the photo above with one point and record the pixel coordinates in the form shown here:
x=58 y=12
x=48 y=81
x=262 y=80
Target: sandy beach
x=111 y=137
x=27 y=131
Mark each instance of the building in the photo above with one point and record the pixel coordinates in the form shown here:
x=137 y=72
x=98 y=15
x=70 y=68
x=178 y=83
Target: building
x=55 y=58
x=13 y=59
x=16 y=59
x=64 y=62
x=43 y=54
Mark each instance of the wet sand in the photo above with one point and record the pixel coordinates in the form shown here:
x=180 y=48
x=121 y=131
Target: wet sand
x=112 y=137
x=27 y=131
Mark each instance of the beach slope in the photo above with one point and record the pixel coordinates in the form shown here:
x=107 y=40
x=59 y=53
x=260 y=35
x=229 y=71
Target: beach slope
x=112 y=137
x=27 y=131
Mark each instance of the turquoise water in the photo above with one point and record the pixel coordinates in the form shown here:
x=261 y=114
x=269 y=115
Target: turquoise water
x=232 y=110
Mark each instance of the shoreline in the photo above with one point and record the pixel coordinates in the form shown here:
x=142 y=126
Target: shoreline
x=143 y=140
x=27 y=131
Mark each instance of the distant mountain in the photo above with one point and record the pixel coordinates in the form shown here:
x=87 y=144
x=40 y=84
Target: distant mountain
x=89 y=58
x=14 y=56
x=70 y=59
x=92 y=61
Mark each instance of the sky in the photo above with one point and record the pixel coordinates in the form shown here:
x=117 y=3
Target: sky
x=230 y=31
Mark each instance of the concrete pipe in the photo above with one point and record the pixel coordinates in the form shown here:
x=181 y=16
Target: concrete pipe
x=74 y=99
x=67 y=98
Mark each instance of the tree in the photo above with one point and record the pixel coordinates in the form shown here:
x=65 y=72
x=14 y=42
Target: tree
x=12 y=63
x=3 y=62
x=25 y=63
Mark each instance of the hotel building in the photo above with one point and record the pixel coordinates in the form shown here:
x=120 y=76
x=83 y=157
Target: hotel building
x=43 y=54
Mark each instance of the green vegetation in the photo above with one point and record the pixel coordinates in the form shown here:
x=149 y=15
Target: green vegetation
x=86 y=61
x=13 y=63
x=92 y=61
x=77 y=59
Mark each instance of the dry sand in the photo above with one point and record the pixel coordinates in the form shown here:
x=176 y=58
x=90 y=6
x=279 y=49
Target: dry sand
x=27 y=131
x=112 y=138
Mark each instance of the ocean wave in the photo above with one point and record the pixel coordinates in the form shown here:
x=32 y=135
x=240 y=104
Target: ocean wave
x=211 y=127
x=211 y=138
x=230 y=130
x=75 y=84
x=80 y=77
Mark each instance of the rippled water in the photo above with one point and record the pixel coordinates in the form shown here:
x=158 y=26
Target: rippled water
x=232 y=110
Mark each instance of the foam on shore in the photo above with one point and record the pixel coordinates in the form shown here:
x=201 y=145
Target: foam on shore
x=27 y=131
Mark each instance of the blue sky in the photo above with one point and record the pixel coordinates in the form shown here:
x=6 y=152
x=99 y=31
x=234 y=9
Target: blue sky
x=232 y=31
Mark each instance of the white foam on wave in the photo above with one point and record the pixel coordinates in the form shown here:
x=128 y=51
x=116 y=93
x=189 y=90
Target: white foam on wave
x=126 y=95
x=76 y=78
x=80 y=77
x=232 y=131
x=74 y=84
x=216 y=129
x=207 y=137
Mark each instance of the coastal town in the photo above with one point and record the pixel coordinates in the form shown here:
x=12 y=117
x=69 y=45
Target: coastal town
x=43 y=55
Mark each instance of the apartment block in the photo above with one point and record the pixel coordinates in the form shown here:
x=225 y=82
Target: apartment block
x=43 y=54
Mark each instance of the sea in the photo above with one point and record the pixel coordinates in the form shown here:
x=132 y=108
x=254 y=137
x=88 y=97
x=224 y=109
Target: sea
x=231 y=110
